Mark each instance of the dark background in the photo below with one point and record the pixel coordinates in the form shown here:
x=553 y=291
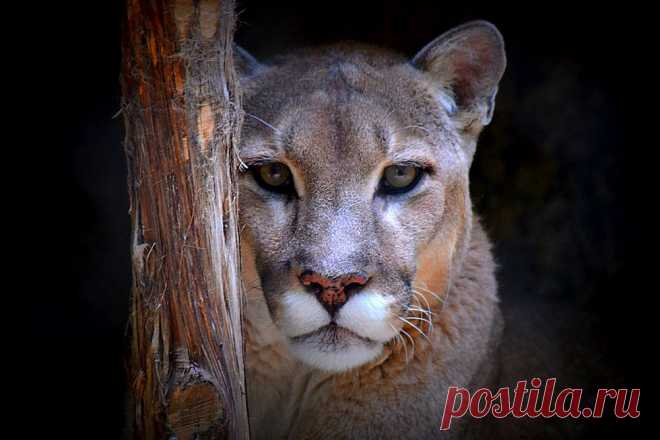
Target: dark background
x=551 y=180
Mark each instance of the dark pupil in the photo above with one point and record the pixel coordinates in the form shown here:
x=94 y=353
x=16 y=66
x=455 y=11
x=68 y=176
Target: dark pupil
x=276 y=172
x=274 y=175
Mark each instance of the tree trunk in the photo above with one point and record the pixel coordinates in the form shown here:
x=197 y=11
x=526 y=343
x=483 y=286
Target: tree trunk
x=181 y=108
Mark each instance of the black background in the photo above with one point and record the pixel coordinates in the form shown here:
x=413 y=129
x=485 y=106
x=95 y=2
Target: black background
x=552 y=180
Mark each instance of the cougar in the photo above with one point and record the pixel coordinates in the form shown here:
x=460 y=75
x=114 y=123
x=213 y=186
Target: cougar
x=369 y=280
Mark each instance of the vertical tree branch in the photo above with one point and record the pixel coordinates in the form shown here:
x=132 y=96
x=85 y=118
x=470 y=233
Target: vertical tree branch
x=181 y=108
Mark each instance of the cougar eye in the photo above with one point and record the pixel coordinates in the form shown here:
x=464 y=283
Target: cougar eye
x=399 y=179
x=274 y=177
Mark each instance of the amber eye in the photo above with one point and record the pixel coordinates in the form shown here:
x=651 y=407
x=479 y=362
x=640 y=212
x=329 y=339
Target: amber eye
x=400 y=178
x=274 y=177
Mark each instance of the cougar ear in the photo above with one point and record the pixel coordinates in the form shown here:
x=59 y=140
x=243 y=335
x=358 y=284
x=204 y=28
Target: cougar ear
x=246 y=65
x=469 y=62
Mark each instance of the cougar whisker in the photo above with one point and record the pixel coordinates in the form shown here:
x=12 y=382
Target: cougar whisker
x=417 y=318
x=419 y=294
x=422 y=312
x=399 y=339
x=434 y=294
x=266 y=124
x=416 y=328
x=412 y=343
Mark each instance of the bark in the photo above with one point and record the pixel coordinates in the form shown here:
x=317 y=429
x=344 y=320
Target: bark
x=181 y=109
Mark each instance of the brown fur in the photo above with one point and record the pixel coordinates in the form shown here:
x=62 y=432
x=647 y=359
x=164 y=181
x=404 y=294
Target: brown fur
x=335 y=117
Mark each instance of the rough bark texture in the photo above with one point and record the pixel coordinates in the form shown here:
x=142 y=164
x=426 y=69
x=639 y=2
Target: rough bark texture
x=182 y=115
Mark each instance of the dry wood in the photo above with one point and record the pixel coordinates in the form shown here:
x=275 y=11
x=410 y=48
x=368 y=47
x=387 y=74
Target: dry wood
x=181 y=109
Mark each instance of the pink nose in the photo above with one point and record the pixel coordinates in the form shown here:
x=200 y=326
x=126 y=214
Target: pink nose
x=332 y=292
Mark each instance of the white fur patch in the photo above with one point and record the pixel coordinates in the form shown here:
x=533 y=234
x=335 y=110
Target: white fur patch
x=368 y=315
x=392 y=215
x=335 y=359
x=301 y=313
x=447 y=102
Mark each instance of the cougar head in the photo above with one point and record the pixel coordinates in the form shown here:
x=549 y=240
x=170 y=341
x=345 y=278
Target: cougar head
x=354 y=195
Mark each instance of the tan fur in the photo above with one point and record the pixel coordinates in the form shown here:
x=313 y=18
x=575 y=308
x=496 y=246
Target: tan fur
x=402 y=396
x=329 y=115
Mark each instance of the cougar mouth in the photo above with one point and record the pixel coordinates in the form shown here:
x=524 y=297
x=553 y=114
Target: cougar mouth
x=332 y=335
x=334 y=348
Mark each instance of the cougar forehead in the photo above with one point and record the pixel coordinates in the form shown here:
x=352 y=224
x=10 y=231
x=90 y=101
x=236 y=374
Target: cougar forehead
x=344 y=104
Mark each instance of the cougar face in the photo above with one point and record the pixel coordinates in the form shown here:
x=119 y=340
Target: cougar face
x=355 y=193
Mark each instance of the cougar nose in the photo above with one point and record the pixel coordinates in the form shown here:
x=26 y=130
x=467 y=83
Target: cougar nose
x=333 y=292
